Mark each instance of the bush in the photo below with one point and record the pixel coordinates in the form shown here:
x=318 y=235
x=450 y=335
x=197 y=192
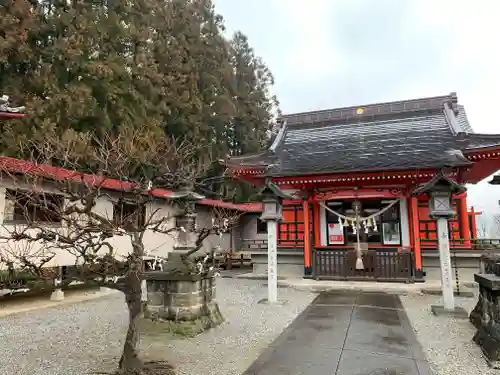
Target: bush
x=10 y=279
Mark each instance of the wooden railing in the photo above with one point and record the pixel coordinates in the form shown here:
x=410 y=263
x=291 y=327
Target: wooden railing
x=379 y=265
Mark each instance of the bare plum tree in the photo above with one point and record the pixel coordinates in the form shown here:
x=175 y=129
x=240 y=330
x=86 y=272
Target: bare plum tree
x=495 y=226
x=52 y=211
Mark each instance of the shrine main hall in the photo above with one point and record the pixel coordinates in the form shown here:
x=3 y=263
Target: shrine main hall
x=367 y=162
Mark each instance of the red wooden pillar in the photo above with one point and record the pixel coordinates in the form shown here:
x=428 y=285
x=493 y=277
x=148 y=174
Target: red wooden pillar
x=415 y=229
x=473 y=223
x=464 y=219
x=307 y=239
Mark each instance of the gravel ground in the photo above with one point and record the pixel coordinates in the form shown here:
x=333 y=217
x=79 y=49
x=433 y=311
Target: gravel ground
x=82 y=338
x=447 y=342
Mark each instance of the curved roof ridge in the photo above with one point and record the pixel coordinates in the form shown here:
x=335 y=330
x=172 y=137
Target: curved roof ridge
x=375 y=109
x=279 y=137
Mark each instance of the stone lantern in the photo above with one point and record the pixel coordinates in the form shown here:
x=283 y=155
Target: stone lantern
x=272 y=197
x=486 y=314
x=180 y=294
x=440 y=190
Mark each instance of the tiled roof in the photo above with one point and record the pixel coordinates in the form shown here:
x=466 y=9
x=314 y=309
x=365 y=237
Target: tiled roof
x=476 y=141
x=13 y=165
x=462 y=120
x=414 y=134
x=243 y=207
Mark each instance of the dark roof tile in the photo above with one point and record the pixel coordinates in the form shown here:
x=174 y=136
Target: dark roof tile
x=415 y=134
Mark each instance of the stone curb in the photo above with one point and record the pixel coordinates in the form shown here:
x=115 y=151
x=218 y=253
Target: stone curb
x=466 y=290
x=39 y=303
x=356 y=288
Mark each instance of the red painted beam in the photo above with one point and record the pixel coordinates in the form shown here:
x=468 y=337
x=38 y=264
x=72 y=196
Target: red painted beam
x=361 y=193
x=9 y=116
x=415 y=225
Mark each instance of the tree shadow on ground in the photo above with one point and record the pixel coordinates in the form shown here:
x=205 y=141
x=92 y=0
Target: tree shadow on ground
x=150 y=368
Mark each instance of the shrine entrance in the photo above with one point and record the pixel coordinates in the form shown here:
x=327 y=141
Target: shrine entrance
x=364 y=242
x=385 y=264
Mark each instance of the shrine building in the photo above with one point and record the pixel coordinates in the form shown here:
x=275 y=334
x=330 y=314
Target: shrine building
x=368 y=160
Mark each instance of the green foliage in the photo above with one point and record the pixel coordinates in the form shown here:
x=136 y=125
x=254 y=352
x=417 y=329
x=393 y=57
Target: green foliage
x=102 y=67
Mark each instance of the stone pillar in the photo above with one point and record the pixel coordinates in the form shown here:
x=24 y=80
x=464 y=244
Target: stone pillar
x=272 y=262
x=445 y=264
x=448 y=307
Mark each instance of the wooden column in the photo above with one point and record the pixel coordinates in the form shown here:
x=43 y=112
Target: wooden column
x=415 y=228
x=473 y=223
x=307 y=239
x=464 y=220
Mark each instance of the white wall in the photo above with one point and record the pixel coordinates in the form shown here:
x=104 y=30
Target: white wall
x=322 y=220
x=249 y=228
x=405 y=223
x=156 y=244
x=204 y=220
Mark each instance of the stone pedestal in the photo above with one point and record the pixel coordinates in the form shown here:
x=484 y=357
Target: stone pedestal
x=187 y=302
x=57 y=295
x=486 y=317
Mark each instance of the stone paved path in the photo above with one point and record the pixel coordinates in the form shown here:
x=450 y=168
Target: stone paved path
x=346 y=333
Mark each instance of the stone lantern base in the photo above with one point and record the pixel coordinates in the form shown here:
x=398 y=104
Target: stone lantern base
x=186 y=302
x=486 y=317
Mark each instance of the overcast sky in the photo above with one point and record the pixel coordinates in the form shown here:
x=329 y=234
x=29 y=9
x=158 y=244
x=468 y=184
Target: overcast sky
x=333 y=53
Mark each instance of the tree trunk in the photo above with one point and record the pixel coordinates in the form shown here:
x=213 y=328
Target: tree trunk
x=130 y=360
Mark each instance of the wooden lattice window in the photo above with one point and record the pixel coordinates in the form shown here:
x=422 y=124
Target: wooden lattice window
x=428 y=227
x=291 y=228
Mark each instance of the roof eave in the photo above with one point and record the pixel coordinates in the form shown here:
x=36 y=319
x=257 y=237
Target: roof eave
x=495 y=180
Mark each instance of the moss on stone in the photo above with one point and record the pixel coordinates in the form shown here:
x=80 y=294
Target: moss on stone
x=211 y=318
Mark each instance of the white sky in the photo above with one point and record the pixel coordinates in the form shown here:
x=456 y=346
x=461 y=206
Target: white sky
x=332 y=53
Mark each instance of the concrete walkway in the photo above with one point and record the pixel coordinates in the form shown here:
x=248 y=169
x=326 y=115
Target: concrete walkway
x=346 y=333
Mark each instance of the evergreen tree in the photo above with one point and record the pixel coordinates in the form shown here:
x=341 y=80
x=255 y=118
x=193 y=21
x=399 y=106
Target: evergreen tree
x=255 y=104
x=114 y=66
